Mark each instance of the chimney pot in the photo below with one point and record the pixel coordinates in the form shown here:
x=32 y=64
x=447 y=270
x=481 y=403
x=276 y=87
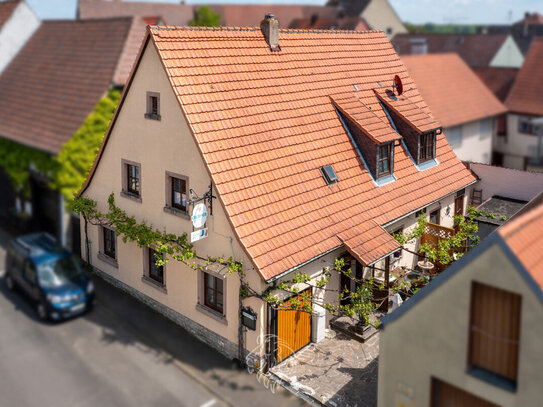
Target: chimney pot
x=270 y=28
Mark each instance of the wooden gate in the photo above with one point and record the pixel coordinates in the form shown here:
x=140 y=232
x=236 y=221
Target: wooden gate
x=293 y=329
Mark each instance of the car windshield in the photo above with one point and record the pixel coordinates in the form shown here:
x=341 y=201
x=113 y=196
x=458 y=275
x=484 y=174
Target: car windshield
x=57 y=272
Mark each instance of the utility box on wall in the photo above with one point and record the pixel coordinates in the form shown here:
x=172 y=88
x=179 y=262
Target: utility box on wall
x=318 y=324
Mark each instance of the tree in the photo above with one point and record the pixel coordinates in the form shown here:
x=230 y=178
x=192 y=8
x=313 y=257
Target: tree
x=205 y=17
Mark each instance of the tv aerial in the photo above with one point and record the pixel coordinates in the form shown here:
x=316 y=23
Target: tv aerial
x=398 y=85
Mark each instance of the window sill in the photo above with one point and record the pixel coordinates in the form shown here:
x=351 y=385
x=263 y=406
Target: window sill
x=152 y=116
x=212 y=313
x=153 y=283
x=176 y=212
x=493 y=379
x=132 y=196
x=427 y=164
x=106 y=259
x=384 y=180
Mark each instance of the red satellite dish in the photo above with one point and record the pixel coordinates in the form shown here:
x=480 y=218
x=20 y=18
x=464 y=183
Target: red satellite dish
x=398 y=84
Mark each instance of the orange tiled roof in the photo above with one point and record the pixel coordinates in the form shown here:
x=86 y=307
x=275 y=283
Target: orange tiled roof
x=498 y=80
x=403 y=106
x=524 y=236
x=6 y=8
x=265 y=123
x=362 y=116
x=526 y=95
x=452 y=90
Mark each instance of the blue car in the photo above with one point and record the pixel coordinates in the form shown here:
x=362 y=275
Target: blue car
x=50 y=275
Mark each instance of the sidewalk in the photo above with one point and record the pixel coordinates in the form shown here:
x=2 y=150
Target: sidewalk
x=335 y=372
x=219 y=375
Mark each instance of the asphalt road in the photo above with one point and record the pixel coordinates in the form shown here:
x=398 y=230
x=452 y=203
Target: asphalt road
x=102 y=359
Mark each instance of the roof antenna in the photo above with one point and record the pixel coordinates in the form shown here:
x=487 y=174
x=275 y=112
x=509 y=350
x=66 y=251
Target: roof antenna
x=397 y=84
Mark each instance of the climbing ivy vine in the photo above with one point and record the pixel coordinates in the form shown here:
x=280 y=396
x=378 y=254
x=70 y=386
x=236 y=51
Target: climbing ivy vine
x=74 y=161
x=360 y=303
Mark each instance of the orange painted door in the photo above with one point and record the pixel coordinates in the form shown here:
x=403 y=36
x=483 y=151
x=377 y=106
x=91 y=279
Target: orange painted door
x=293 y=330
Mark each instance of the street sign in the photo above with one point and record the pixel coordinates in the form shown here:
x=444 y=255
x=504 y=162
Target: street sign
x=199 y=215
x=198 y=235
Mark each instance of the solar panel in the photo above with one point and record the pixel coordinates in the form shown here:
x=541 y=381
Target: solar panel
x=329 y=174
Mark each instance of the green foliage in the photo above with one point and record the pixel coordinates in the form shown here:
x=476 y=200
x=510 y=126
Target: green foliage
x=415 y=233
x=205 y=17
x=16 y=160
x=465 y=236
x=77 y=155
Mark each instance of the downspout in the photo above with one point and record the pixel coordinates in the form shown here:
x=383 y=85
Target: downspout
x=241 y=353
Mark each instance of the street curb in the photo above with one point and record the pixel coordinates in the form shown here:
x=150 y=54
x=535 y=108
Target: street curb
x=304 y=396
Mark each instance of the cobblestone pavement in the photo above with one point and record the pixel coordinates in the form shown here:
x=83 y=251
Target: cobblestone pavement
x=336 y=372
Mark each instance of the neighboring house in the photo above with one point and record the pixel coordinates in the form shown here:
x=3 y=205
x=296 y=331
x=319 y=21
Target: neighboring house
x=473 y=335
x=49 y=89
x=517 y=147
x=458 y=99
x=503 y=192
x=498 y=80
x=17 y=24
x=378 y=14
x=305 y=165
x=232 y=15
x=335 y=23
x=477 y=50
x=523 y=31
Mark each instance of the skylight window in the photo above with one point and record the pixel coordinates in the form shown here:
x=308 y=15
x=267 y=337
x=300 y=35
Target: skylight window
x=329 y=174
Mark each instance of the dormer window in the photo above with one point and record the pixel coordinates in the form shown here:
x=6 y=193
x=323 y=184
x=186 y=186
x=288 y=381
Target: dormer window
x=384 y=160
x=426 y=147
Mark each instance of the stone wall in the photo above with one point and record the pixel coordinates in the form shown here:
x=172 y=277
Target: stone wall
x=217 y=342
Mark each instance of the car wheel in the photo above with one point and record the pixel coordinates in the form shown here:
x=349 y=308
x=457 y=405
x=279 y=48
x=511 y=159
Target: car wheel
x=10 y=284
x=42 y=311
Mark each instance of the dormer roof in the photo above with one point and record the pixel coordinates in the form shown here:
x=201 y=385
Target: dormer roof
x=408 y=110
x=365 y=118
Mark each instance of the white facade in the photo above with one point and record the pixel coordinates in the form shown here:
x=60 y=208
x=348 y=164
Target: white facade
x=507 y=182
x=516 y=146
x=22 y=23
x=472 y=141
x=508 y=56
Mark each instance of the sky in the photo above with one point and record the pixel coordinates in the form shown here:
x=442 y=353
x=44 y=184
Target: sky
x=413 y=11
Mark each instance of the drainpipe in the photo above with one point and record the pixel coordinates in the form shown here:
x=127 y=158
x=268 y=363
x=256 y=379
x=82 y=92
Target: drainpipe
x=241 y=352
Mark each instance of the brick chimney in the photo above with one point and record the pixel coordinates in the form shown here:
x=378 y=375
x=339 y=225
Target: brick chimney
x=270 y=29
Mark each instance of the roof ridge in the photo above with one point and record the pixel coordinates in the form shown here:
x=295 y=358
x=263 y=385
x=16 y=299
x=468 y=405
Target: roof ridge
x=87 y=20
x=283 y=30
